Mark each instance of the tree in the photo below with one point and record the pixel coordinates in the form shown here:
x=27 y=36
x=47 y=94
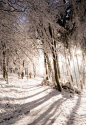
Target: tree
x=48 y=23
x=15 y=42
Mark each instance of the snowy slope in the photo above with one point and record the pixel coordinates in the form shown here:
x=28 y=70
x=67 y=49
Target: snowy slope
x=25 y=102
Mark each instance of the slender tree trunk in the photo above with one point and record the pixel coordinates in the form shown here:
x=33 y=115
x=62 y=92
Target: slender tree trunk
x=19 y=73
x=4 y=66
x=65 y=61
x=7 y=70
x=49 y=69
x=70 y=71
x=45 y=64
x=34 y=70
x=83 y=68
x=71 y=75
x=27 y=73
x=22 y=74
x=58 y=70
x=30 y=74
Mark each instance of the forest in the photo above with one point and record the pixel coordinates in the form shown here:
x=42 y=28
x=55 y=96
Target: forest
x=57 y=29
x=46 y=39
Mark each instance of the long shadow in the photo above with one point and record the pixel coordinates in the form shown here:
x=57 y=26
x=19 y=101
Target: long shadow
x=46 y=114
x=7 y=98
x=73 y=113
x=21 y=109
x=24 y=108
x=41 y=100
x=35 y=102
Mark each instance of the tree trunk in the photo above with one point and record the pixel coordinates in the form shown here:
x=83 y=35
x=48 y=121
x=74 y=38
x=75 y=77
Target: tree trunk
x=34 y=70
x=19 y=73
x=45 y=64
x=55 y=67
x=27 y=73
x=54 y=54
x=49 y=69
x=22 y=75
x=55 y=73
x=58 y=70
x=4 y=66
x=83 y=68
x=7 y=70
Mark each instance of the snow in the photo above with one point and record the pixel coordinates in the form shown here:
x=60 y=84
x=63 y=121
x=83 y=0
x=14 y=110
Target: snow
x=27 y=102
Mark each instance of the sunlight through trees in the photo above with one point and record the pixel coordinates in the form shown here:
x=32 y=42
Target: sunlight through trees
x=55 y=28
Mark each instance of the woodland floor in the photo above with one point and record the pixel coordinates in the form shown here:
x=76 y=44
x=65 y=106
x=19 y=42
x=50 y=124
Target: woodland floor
x=25 y=102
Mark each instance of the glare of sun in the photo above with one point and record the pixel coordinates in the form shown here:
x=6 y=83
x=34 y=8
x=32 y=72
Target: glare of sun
x=79 y=52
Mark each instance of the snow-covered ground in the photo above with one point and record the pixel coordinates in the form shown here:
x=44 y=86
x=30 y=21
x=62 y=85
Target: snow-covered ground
x=25 y=102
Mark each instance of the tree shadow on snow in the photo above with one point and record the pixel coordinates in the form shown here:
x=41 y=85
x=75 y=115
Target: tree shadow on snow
x=24 y=109
x=13 y=112
x=74 y=112
x=47 y=115
x=22 y=98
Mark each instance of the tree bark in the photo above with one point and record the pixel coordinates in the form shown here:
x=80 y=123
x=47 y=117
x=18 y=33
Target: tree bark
x=45 y=64
x=4 y=66
x=49 y=69
x=55 y=67
x=55 y=73
x=7 y=70
x=58 y=70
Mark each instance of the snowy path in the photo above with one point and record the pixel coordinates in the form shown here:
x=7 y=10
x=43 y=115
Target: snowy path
x=25 y=102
